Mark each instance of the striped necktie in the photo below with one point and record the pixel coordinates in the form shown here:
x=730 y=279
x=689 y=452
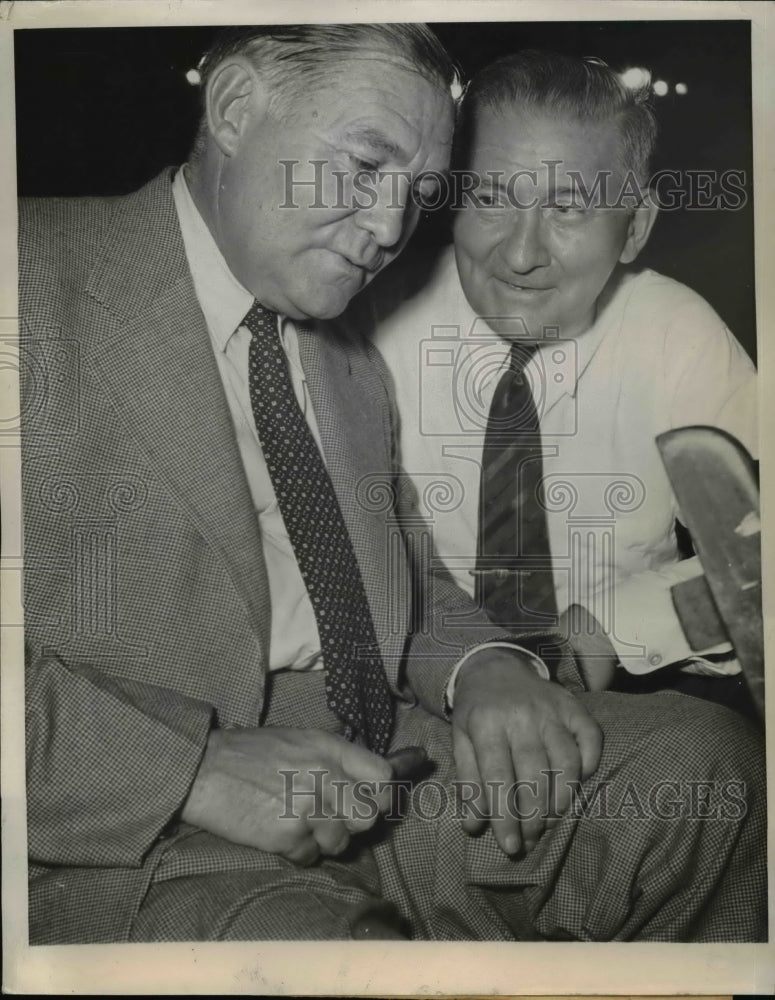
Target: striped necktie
x=514 y=581
x=356 y=684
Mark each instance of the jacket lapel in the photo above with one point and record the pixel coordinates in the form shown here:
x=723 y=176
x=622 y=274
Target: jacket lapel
x=157 y=366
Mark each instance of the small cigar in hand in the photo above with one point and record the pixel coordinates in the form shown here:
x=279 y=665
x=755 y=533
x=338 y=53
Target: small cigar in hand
x=406 y=761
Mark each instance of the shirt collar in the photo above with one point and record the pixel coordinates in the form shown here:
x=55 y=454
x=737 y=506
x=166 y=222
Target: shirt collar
x=589 y=341
x=224 y=301
x=586 y=346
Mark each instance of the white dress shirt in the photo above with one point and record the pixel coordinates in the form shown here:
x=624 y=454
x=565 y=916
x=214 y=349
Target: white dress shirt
x=656 y=358
x=294 y=642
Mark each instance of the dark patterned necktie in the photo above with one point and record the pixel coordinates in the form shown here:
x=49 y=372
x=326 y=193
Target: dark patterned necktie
x=514 y=581
x=356 y=684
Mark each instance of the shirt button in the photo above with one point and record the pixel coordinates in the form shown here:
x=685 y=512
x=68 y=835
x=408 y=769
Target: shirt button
x=655 y=659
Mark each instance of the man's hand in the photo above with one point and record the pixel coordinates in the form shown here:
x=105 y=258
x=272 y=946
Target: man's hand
x=595 y=655
x=511 y=726
x=240 y=793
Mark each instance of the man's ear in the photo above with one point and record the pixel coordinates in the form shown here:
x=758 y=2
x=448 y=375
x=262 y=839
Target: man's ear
x=641 y=223
x=235 y=92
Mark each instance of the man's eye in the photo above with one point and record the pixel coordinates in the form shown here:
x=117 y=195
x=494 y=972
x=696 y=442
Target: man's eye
x=362 y=165
x=493 y=204
x=564 y=208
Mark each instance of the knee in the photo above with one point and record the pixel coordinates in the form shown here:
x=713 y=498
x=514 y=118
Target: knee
x=701 y=736
x=680 y=738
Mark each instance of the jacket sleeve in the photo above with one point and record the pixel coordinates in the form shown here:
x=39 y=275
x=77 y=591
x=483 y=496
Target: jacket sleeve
x=109 y=758
x=96 y=793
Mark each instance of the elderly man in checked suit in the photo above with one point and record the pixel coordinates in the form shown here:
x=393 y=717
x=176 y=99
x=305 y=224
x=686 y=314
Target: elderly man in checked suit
x=215 y=595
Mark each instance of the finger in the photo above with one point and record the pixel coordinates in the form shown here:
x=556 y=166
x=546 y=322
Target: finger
x=361 y=764
x=598 y=671
x=360 y=783
x=588 y=736
x=355 y=803
x=364 y=801
x=331 y=835
x=406 y=761
x=468 y=783
x=496 y=766
x=304 y=852
x=564 y=771
x=530 y=803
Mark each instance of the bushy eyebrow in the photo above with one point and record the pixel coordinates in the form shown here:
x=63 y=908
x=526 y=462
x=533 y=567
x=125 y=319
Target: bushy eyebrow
x=561 y=189
x=375 y=139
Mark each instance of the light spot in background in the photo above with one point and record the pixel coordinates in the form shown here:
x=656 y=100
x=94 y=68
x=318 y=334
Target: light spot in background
x=635 y=77
x=660 y=88
x=456 y=89
x=681 y=88
x=193 y=77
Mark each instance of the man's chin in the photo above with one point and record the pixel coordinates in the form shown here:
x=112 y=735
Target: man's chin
x=319 y=308
x=330 y=305
x=515 y=328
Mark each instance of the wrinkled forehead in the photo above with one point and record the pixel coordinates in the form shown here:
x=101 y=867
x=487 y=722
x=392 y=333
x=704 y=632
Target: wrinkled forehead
x=528 y=136
x=379 y=61
x=386 y=101
x=382 y=68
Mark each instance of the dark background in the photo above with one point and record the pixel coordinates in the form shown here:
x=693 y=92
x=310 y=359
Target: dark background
x=101 y=111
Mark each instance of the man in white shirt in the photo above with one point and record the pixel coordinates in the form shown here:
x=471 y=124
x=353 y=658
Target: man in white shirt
x=541 y=257
x=197 y=751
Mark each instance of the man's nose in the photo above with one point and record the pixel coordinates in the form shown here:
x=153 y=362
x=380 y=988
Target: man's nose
x=524 y=248
x=385 y=215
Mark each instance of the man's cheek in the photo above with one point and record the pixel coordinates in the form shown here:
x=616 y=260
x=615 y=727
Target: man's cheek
x=479 y=247
x=464 y=233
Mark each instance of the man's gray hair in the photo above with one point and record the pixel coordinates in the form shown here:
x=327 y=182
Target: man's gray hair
x=567 y=86
x=295 y=58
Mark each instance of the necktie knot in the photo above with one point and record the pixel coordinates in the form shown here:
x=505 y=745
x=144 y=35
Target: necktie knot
x=260 y=320
x=513 y=411
x=521 y=353
x=519 y=358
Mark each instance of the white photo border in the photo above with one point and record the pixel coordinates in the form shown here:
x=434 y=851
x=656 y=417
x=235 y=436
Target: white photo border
x=359 y=968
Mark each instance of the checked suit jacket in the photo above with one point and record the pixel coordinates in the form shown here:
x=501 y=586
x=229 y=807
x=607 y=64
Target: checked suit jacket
x=147 y=609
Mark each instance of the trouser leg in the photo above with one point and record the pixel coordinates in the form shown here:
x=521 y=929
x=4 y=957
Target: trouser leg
x=258 y=896
x=674 y=848
x=671 y=848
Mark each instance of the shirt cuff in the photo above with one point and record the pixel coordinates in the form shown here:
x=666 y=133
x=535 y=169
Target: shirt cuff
x=725 y=667
x=535 y=662
x=645 y=630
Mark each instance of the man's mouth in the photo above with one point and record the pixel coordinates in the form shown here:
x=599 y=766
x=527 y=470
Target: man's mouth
x=370 y=264
x=521 y=287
